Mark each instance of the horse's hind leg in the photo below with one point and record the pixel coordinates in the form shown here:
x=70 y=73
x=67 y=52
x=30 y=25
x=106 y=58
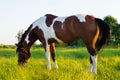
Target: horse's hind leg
x=52 y=50
x=93 y=59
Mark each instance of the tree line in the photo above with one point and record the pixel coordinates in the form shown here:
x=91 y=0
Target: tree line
x=110 y=20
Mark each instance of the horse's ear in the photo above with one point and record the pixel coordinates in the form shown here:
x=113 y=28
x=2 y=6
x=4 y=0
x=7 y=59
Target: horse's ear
x=16 y=44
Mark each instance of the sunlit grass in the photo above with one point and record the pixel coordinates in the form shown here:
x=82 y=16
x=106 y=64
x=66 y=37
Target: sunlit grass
x=73 y=65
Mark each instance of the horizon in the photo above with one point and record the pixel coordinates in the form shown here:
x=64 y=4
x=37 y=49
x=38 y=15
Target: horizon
x=17 y=15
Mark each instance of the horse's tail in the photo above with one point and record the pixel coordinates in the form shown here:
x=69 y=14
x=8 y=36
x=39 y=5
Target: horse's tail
x=105 y=33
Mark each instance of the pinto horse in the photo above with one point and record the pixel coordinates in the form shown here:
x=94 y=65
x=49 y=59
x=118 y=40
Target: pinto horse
x=50 y=29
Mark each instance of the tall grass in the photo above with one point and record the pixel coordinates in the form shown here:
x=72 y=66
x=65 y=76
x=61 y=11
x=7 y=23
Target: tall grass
x=73 y=65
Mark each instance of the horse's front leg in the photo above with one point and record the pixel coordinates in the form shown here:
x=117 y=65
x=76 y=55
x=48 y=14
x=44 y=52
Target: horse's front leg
x=52 y=50
x=47 y=53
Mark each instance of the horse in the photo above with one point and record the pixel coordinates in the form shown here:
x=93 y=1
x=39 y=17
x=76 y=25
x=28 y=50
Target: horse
x=50 y=29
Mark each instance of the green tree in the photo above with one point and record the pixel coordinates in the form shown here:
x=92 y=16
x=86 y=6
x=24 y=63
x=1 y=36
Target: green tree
x=19 y=34
x=117 y=34
x=112 y=22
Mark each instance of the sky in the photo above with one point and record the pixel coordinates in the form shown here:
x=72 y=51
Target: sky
x=16 y=15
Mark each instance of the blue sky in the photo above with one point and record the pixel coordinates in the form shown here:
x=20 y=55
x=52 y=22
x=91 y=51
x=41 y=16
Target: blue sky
x=19 y=14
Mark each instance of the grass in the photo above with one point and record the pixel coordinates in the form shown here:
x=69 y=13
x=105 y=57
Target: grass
x=73 y=65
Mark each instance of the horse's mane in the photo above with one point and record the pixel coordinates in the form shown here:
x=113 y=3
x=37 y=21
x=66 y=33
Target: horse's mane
x=25 y=34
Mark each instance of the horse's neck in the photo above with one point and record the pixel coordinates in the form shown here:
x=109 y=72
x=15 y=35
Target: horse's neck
x=31 y=43
x=28 y=39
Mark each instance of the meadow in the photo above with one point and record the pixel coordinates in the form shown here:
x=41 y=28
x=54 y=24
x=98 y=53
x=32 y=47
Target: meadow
x=73 y=65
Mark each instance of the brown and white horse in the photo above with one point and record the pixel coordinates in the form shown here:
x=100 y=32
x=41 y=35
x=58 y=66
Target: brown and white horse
x=49 y=29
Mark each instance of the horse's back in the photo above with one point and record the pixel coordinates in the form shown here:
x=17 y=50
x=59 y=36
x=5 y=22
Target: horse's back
x=68 y=28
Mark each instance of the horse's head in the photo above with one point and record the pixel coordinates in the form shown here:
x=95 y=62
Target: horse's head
x=23 y=52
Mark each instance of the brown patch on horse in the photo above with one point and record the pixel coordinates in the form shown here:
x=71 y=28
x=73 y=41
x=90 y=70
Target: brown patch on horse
x=52 y=50
x=39 y=34
x=51 y=40
x=73 y=29
x=67 y=33
x=89 y=18
x=49 y=19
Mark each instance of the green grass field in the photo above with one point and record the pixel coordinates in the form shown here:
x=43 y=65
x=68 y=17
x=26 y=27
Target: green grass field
x=73 y=65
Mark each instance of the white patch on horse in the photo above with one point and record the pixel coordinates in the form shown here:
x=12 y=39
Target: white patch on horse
x=55 y=65
x=47 y=31
x=81 y=17
x=61 y=19
x=26 y=39
x=91 y=68
x=94 y=65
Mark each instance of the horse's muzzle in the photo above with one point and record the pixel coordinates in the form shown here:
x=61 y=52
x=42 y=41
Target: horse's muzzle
x=21 y=63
